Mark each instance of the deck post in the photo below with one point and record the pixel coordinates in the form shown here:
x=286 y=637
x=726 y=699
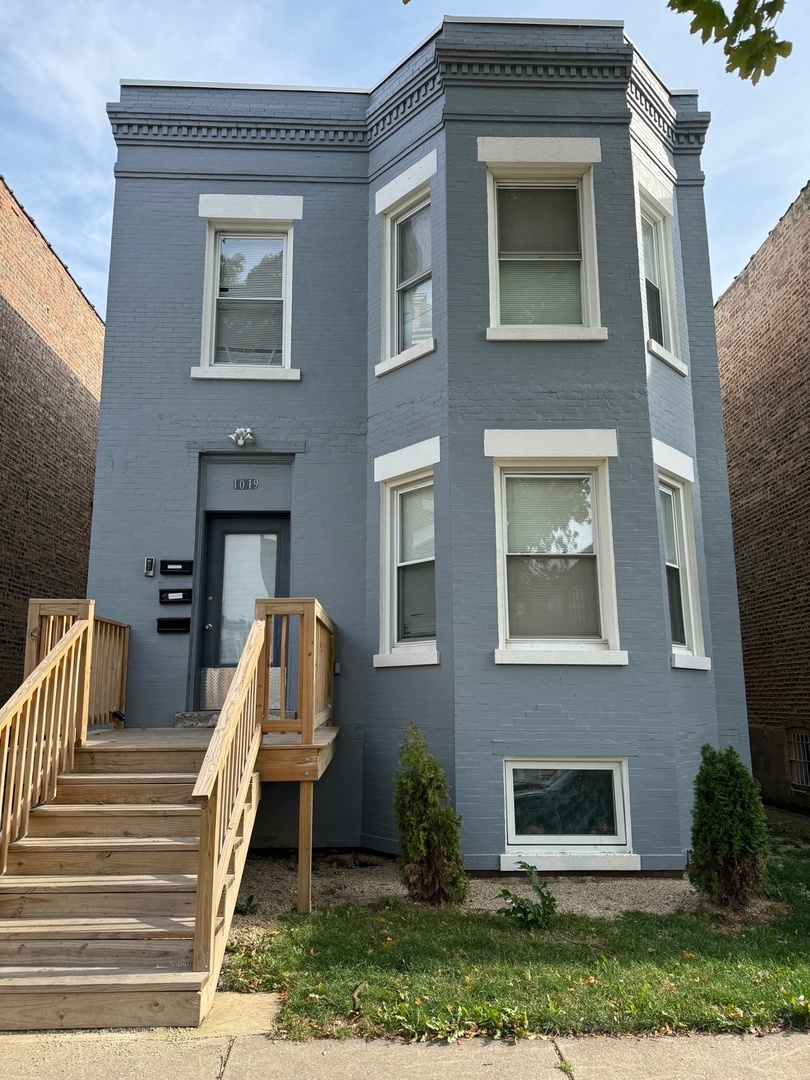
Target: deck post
x=305 y=802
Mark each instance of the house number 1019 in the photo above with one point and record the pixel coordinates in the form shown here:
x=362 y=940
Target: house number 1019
x=246 y=484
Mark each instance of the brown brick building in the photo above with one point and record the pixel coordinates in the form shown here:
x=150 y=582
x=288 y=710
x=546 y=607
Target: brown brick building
x=763 y=339
x=51 y=342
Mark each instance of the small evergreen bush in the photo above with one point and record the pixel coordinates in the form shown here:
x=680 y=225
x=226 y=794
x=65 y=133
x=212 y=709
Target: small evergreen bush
x=430 y=861
x=729 y=836
x=533 y=914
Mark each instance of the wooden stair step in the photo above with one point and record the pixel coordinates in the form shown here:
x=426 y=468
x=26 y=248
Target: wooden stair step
x=124 y=999
x=104 y=788
x=109 y=759
x=36 y=896
x=109 y=928
x=103 y=855
x=85 y=980
x=82 y=883
x=163 y=952
x=109 y=819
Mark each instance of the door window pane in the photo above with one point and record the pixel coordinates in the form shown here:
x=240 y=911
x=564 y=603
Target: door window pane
x=249 y=572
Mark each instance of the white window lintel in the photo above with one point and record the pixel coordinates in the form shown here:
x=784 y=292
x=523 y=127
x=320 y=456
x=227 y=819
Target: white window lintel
x=553 y=151
x=552 y=443
x=253 y=208
x=409 y=459
x=408 y=182
x=673 y=461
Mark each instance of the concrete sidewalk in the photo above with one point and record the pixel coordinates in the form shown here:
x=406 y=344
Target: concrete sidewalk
x=234 y=1044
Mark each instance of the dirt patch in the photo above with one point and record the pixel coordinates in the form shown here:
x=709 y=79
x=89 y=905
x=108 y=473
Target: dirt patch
x=362 y=878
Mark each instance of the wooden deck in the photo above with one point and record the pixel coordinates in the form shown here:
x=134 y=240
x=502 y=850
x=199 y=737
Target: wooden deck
x=282 y=755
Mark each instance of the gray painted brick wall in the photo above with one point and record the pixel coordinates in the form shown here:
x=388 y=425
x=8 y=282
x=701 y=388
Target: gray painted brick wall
x=156 y=421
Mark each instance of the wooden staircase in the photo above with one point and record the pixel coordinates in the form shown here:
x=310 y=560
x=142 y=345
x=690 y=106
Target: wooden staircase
x=121 y=851
x=98 y=904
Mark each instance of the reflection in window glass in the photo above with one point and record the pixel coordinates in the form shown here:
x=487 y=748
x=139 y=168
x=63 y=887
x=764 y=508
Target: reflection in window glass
x=564 y=802
x=551 y=572
x=249 y=317
x=249 y=572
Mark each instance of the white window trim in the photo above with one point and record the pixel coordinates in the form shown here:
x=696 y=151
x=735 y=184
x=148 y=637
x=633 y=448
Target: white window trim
x=661 y=221
x=565 y=847
x=546 y=162
x=566 y=450
x=676 y=472
x=246 y=215
x=394 y=472
x=399 y=198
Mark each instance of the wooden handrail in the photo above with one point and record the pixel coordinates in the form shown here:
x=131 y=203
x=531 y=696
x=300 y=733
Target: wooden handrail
x=222 y=788
x=49 y=620
x=315 y=660
x=39 y=727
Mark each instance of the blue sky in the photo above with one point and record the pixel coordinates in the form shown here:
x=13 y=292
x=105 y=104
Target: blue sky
x=60 y=62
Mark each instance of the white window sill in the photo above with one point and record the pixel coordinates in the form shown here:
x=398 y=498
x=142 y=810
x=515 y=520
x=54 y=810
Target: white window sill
x=547 y=333
x=690 y=662
x=237 y=371
x=592 y=657
x=421 y=348
x=669 y=358
x=554 y=859
x=407 y=658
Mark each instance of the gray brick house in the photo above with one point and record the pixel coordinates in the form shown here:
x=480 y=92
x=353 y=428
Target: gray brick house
x=467 y=318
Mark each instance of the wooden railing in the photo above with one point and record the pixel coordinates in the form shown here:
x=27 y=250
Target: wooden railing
x=315 y=663
x=222 y=789
x=39 y=727
x=49 y=621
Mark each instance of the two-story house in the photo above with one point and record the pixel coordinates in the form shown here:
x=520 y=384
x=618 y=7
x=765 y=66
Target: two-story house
x=466 y=317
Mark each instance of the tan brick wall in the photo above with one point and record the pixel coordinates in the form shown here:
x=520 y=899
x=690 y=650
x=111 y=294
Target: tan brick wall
x=40 y=289
x=763 y=339
x=51 y=344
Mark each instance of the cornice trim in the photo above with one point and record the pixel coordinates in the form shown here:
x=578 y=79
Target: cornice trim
x=143 y=128
x=396 y=110
x=609 y=68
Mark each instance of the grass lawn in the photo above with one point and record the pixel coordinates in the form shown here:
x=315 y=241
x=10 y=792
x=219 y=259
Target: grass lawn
x=401 y=970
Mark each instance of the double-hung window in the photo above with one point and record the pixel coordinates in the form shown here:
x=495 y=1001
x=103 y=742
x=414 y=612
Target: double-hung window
x=406 y=288
x=415 y=564
x=544 y=283
x=556 y=579
x=407 y=556
x=675 y=479
x=659 y=276
x=249 y=319
x=551 y=573
x=539 y=255
x=247 y=304
x=413 y=304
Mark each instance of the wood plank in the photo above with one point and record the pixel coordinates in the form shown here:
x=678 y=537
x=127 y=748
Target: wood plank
x=117 y=760
x=110 y=928
x=302 y=763
x=305 y=805
x=126 y=789
x=31 y=1011
x=84 y=982
x=82 y=951
x=134 y=819
x=97 y=902
x=81 y=883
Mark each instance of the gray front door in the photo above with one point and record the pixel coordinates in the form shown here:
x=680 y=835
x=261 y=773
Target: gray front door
x=246 y=558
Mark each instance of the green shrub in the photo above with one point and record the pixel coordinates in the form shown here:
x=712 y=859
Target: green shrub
x=430 y=861
x=536 y=914
x=729 y=837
